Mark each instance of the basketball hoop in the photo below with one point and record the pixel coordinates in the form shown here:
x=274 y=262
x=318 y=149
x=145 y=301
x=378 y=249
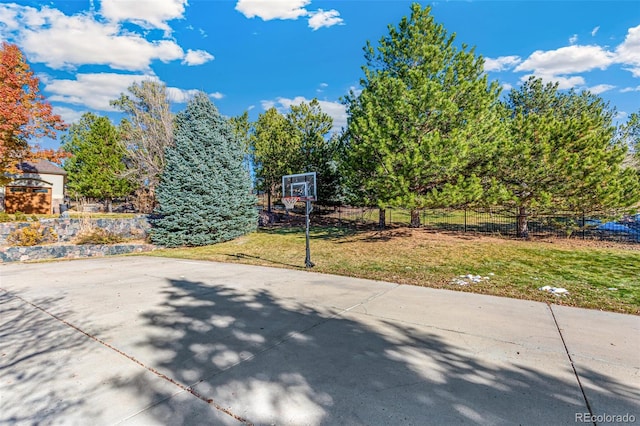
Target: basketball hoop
x=290 y=202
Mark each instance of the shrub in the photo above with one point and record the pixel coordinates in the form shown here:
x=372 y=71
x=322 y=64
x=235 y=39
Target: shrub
x=4 y=217
x=32 y=235
x=19 y=216
x=98 y=236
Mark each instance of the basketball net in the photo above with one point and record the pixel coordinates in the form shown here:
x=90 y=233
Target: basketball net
x=290 y=202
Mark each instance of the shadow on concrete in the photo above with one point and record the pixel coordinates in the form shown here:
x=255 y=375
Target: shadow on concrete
x=274 y=361
x=34 y=351
x=241 y=256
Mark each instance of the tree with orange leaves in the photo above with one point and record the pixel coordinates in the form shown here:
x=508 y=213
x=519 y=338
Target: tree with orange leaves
x=23 y=113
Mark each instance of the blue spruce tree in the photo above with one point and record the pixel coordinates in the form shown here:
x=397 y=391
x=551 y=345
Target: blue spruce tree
x=204 y=193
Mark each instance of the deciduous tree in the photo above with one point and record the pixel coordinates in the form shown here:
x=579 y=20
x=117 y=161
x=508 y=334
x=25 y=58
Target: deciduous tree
x=317 y=151
x=423 y=130
x=297 y=142
x=146 y=133
x=204 y=193
x=275 y=148
x=24 y=113
x=95 y=167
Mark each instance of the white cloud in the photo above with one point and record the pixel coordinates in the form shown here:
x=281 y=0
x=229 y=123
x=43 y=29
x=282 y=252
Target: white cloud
x=564 y=82
x=288 y=9
x=273 y=9
x=601 y=88
x=180 y=96
x=335 y=110
x=630 y=89
x=628 y=52
x=197 y=57
x=621 y=115
x=146 y=13
x=501 y=63
x=94 y=90
x=323 y=18
x=567 y=60
x=48 y=36
x=68 y=115
x=573 y=39
x=558 y=65
x=267 y=104
x=595 y=31
x=9 y=17
x=355 y=90
x=506 y=87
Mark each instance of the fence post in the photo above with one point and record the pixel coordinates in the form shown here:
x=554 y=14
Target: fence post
x=584 y=235
x=465 y=220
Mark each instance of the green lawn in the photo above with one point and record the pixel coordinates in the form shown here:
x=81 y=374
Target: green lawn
x=598 y=275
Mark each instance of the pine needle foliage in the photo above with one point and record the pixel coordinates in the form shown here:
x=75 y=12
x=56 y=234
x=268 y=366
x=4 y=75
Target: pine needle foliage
x=423 y=130
x=204 y=192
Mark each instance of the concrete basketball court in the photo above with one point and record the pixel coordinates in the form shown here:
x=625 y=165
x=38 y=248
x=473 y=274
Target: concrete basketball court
x=144 y=341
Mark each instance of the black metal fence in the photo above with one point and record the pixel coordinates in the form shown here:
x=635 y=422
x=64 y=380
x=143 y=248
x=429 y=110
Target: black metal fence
x=612 y=225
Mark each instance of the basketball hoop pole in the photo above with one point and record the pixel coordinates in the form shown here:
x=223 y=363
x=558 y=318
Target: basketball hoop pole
x=307 y=261
x=301 y=187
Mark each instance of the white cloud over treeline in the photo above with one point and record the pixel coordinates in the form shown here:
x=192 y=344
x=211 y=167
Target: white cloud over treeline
x=99 y=38
x=563 y=65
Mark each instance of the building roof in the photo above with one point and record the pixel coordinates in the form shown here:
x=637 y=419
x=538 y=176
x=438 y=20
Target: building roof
x=41 y=167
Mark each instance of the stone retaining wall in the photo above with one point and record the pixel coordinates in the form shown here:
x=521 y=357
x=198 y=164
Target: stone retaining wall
x=23 y=254
x=67 y=229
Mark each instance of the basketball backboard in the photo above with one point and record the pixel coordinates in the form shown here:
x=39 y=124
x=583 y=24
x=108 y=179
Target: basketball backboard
x=302 y=185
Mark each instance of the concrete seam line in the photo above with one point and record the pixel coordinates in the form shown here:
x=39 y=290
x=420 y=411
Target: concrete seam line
x=369 y=299
x=131 y=358
x=573 y=366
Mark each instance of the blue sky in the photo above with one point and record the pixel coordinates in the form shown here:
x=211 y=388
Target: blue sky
x=254 y=54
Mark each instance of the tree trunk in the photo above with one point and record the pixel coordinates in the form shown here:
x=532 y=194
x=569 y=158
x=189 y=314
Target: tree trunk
x=109 y=204
x=523 y=230
x=269 y=201
x=415 y=218
x=382 y=213
x=144 y=200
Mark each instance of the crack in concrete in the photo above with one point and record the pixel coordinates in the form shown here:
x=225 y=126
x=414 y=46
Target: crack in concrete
x=573 y=367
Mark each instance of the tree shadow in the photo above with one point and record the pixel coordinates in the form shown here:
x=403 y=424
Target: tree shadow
x=241 y=256
x=272 y=360
x=316 y=232
x=34 y=349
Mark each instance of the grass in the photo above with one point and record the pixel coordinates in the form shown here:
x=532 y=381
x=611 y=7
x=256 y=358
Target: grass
x=598 y=275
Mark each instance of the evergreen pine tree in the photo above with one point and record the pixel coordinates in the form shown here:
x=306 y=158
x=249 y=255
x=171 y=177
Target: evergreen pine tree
x=562 y=153
x=423 y=130
x=204 y=191
x=95 y=169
